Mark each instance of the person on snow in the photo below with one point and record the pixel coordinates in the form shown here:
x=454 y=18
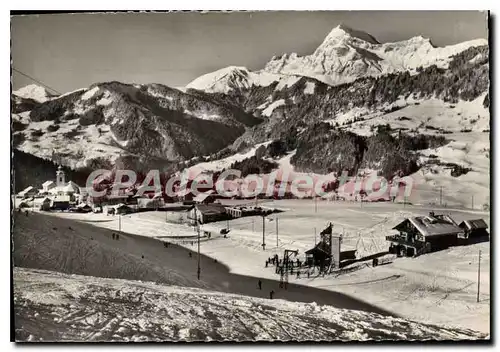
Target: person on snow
x=260 y=285
x=271 y=294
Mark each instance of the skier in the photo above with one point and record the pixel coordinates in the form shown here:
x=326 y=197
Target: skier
x=190 y=255
x=117 y=236
x=260 y=285
x=271 y=294
x=113 y=235
x=267 y=263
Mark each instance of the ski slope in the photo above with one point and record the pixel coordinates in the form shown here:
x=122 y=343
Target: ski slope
x=442 y=286
x=51 y=306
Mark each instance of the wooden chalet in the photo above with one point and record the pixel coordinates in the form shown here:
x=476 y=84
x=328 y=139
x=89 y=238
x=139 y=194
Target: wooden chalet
x=423 y=234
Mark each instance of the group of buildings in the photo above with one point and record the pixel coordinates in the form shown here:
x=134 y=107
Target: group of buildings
x=57 y=194
x=422 y=234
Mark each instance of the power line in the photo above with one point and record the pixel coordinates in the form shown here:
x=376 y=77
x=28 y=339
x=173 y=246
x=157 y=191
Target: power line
x=36 y=80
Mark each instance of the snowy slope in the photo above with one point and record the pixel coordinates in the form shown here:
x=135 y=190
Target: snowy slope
x=239 y=78
x=34 y=92
x=51 y=306
x=442 y=286
x=348 y=54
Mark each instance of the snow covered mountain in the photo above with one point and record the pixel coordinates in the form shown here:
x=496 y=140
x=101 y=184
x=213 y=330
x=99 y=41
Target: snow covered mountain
x=348 y=54
x=345 y=55
x=109 y=120
x=34 y=92
x=414 y=87
x=239 y=78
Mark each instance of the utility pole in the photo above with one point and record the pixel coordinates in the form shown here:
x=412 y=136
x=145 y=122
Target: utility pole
x=263 y=233
x=276 y=231
x=441 y=195
x=198 y=231
x=478 y=275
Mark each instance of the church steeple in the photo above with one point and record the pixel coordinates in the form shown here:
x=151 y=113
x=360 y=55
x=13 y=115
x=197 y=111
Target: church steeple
x=60 y=177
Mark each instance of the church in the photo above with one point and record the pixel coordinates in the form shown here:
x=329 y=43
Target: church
x=60 y=192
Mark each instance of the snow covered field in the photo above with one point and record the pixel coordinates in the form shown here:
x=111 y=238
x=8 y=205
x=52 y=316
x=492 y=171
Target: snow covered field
x=51 y=306
x=438 y=288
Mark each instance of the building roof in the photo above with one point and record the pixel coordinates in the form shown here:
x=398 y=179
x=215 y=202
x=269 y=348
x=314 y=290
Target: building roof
x=432 y=226
x=47 y=183
x=63 y=198
x=210 y=209
x=202 y=196
x=41 y=200
x=474 y=224
x=26 y=190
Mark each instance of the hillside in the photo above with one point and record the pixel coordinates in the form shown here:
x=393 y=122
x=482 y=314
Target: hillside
x=51 y=306
x=109 y=120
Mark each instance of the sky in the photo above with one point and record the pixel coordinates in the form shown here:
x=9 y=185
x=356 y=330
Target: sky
x=72 y=51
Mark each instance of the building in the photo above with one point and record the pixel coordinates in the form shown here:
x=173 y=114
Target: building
x=28 y=192
x=474 y=228
x=62 y=188
x=148 y=203
x=47 y=186
x=60 y=202
x=117 y=209
x=42 y=203
x=205 y=213
x=205 y=197
x=423 y=234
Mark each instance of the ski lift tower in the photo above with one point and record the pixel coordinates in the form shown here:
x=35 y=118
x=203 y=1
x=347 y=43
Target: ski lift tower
x=284 y=270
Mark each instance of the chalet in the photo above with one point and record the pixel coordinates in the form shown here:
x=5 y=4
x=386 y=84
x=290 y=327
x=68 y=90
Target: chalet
x=60 y=202
x=423 y=234
x=474 y=228
x=205 y=213
x=42 y=203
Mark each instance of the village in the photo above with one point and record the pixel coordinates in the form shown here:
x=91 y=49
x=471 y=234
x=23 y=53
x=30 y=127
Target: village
x=329 y=253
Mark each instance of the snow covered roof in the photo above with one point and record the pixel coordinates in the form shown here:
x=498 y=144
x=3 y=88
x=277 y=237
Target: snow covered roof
x=432 y=226
x=202 y=196
x=63 y=198
x=26 y=190
x=42 y=200
x=47 y=183
x=474 y=224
